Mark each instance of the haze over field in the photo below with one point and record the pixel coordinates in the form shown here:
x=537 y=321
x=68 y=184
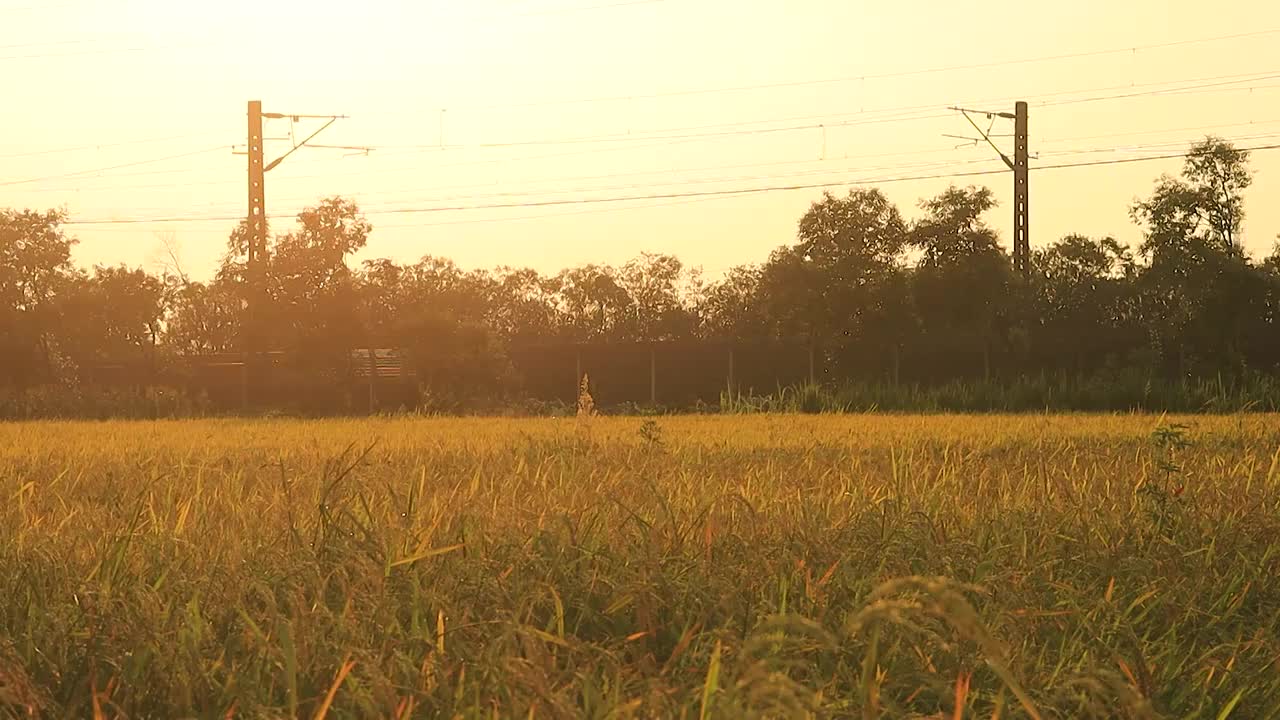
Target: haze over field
x=707 y=95
x=615 y=359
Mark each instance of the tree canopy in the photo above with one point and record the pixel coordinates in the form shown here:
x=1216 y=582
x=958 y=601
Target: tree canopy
x=928 y=298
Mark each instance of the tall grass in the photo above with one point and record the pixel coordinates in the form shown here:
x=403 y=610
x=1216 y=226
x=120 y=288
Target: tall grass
x=1130 y=393
x=52 y=402
x=710 y=567
x=1119 y=392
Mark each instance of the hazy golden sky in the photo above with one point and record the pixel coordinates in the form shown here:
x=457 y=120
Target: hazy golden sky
x=107 y=83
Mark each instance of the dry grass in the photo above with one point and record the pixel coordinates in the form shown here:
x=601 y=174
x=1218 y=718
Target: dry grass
x=863 y=567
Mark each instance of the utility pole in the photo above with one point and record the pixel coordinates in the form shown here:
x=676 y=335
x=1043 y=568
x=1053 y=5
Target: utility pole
x=253 y=334
x=1021 y=193
x=1020 y=164
x=256 y=227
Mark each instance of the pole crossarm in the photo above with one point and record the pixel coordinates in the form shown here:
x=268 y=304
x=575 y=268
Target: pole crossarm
x=1021 y=167
x=282 y=116
x=302 y=144
x=986 y=134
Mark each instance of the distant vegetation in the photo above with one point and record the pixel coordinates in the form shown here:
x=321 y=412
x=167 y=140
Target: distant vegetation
x=922 y=306
x=720 y=567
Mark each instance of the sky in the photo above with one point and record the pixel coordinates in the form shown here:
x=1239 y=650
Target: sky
x=129 y=110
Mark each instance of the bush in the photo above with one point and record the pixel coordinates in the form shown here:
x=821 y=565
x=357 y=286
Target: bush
x=67 y=402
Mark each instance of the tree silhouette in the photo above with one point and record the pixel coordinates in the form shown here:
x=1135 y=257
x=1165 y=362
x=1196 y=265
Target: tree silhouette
x=926 y=300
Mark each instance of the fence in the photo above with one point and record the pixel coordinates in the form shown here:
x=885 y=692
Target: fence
x=671 y=373
x=663 y=373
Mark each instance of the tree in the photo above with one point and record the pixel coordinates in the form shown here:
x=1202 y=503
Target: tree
x=1271 y=263
x=952 y=234
x=1085 y=303
x=312 y=300
x=111 y=317
x=1198 y=282
x=524 y=305
x=308 y=303
x=1219 y=174
x=1202 y=210
x=439 y=313
x=202 y=318
x=732 y=307
x=936 y=296
x=35 y=262
x=662 y=293
x=962 y=285
x=311 y=260
x=836 y=285
x=595 y=305
x=854 y=235
x=857 y=245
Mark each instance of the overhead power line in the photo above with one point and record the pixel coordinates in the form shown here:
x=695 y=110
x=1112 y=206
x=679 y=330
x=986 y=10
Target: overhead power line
x=820 y=171
x=759 y=190
x=640 y=137
x=155 y=48
x=649 y=135
x=29 y=8
x=1129 y=88
x=474 y=221
x=661 y=141
x=92 y=171
x=47 y=43
x=645 y=141
x=800 y=173
x=112 y=51
x=1133 y=49
x=1230 y=84
x=680 y=175
x=676 y=195
x=685 y=181
x=681 y=135
x=905 y=114
x=588 y=8
x=1166 y=131
x=102 y=146
x=652 y=140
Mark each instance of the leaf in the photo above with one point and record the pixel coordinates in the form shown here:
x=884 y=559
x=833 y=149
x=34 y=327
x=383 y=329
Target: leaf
x=427 y=554
x=1226 y=711
x=712 y=683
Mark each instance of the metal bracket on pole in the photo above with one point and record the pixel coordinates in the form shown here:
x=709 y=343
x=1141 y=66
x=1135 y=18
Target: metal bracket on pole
x=1020 y=165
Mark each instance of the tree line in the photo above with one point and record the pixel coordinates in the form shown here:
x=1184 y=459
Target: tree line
x=924 y=300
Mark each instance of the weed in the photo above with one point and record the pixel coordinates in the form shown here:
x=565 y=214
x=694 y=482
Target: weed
x=586 y=404
x=1165 y=497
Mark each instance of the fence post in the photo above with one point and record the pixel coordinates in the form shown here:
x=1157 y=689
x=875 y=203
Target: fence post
x=731 y=387
x=653 y=375
x=373 y=376
x=897 y=364
x=577 y=372
x=811 y=373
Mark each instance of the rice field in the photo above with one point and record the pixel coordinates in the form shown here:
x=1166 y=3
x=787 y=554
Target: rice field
x=862 y=566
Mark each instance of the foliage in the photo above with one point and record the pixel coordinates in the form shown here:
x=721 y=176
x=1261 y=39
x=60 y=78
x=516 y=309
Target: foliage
x=35 y=264
x=930 y=302
x=651 y=432
x=67 y=402
x=1120 y=392
x=111 y=316
x=1204 y=207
